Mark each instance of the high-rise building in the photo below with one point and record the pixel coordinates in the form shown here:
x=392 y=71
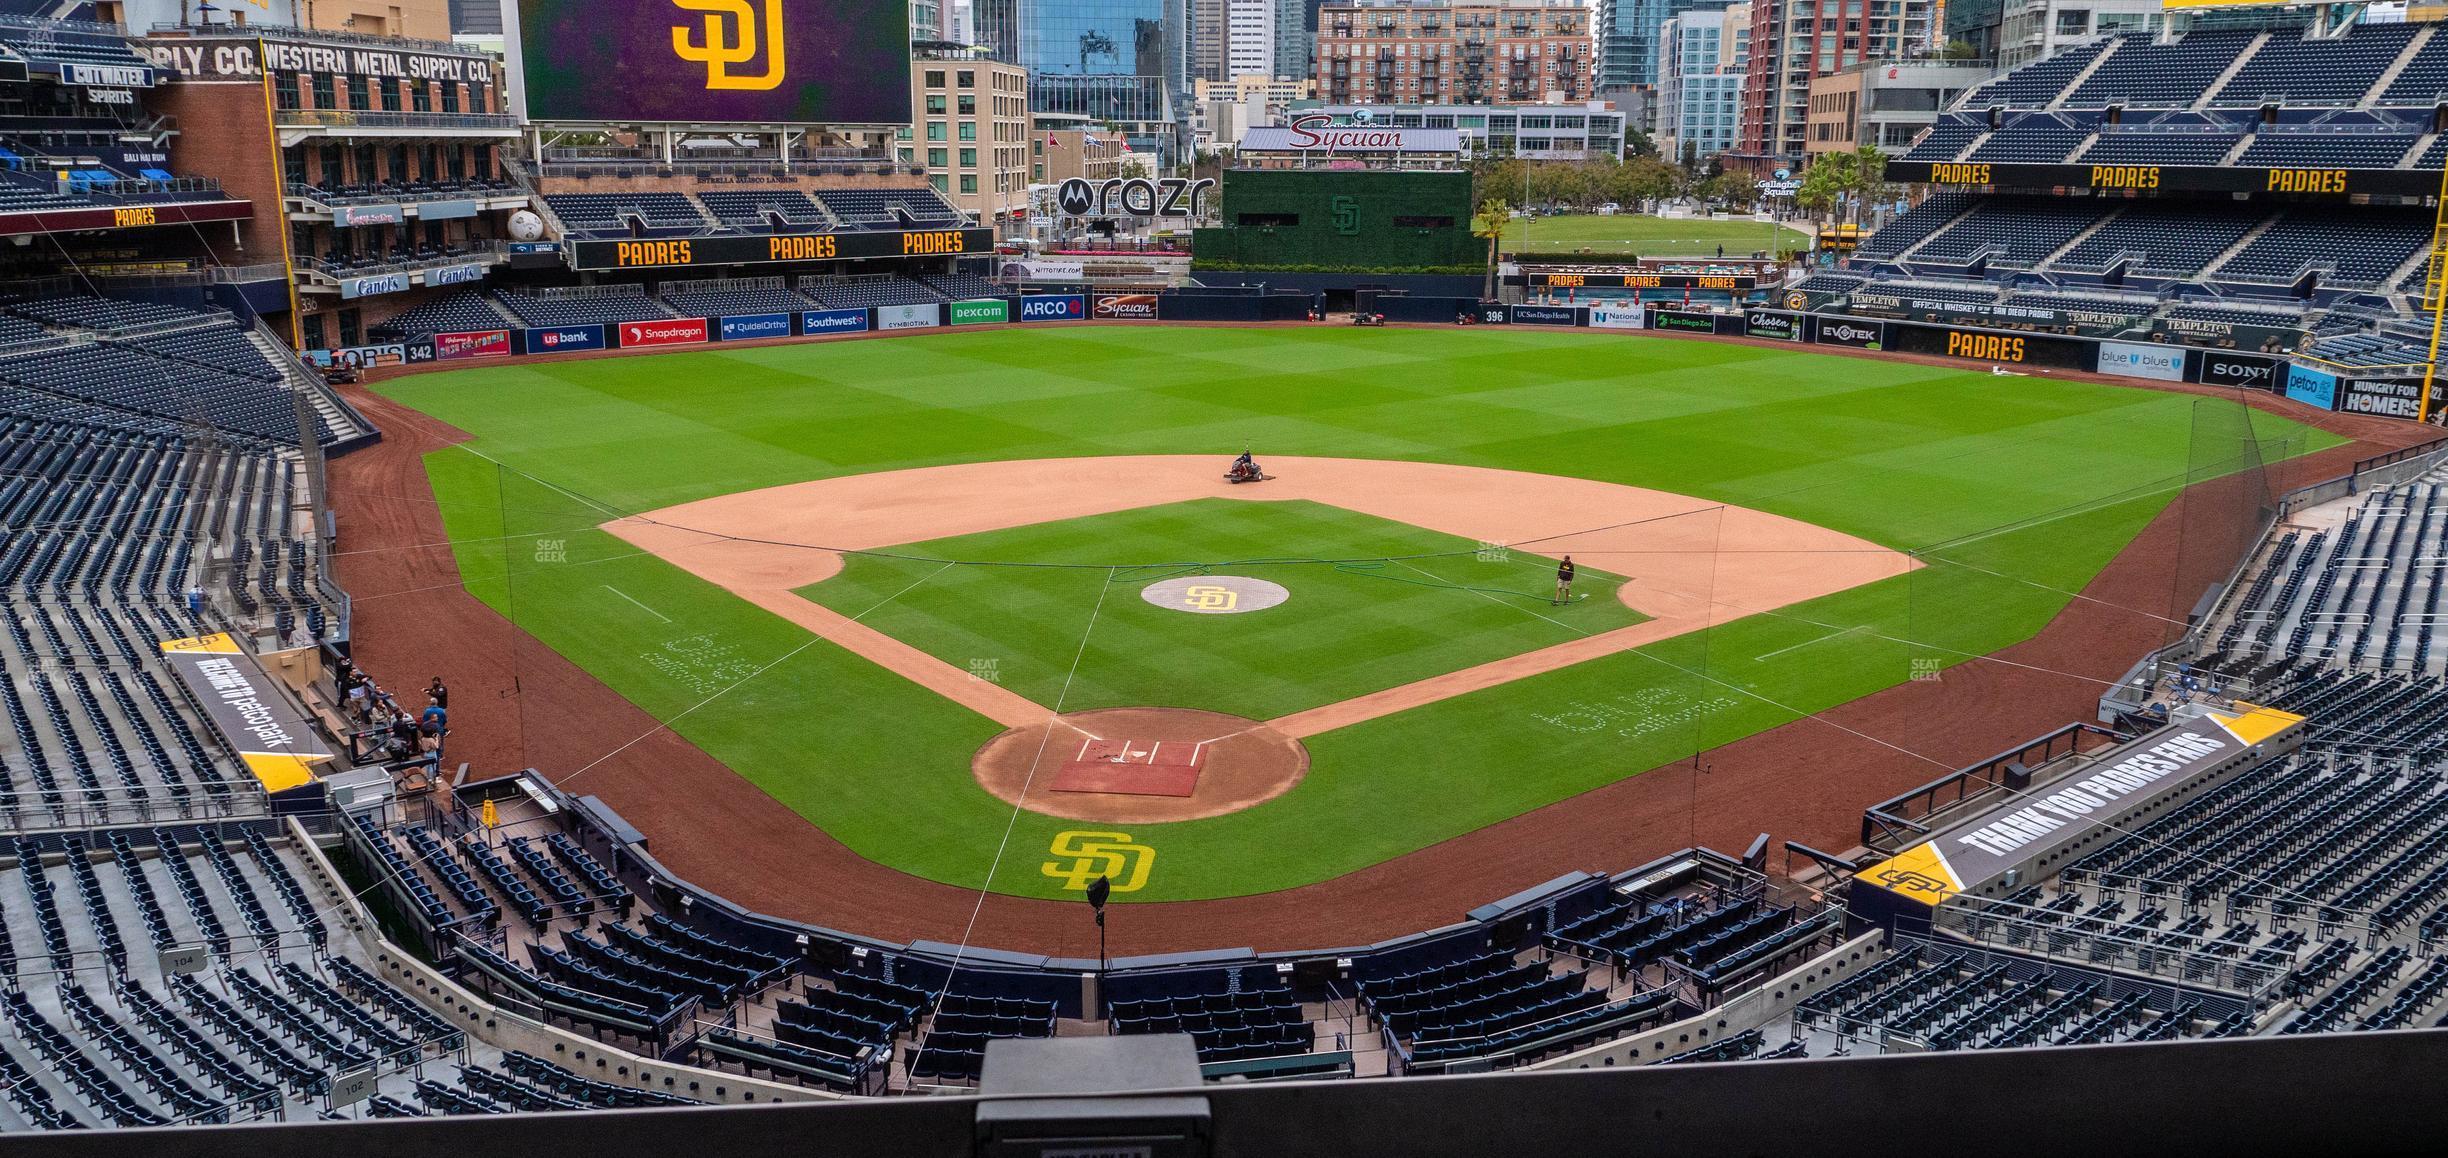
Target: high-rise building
x=1793 y=41
x=1249 y=38
x=1118 y=62
x=1627 y=34
x=1518 y=52
x=1701 y=57
x=1296 y=37
x=1208 y=34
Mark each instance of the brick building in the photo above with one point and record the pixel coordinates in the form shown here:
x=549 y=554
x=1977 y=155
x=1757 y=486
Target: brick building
x=1795 y=41
x=1524 y=52
x=374 y=163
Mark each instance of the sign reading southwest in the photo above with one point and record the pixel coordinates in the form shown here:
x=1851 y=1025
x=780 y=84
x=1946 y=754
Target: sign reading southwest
x=816 y=323
x=756 y=326
x=1054 y=308
x=565 y=339
x=663 y=332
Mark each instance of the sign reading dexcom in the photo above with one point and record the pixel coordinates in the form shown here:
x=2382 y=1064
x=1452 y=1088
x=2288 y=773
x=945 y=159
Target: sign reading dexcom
x=2000 y=846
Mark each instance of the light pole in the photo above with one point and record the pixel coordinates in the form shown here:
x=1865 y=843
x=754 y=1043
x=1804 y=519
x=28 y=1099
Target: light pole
x=1098 y=890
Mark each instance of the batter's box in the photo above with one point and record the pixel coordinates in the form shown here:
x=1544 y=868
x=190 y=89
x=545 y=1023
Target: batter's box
x=1133 y=767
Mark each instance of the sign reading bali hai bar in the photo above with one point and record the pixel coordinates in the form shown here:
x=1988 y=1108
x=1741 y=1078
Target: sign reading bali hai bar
x=251 y=711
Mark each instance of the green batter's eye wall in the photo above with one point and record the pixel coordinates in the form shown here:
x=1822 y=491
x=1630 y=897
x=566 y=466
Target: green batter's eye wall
x=1344 y=219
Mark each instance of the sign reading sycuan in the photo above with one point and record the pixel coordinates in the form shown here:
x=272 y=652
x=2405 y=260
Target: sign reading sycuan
x=1317 y=132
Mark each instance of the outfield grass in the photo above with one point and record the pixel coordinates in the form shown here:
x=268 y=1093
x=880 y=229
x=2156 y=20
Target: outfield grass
x=1640 y=235
x=1348 y=629
x=1903 y=454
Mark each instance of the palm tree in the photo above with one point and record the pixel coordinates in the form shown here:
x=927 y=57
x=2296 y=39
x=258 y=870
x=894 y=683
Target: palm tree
x=1494 y=214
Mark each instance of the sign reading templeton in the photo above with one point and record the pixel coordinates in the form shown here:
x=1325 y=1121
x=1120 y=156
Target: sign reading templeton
x=250 y=710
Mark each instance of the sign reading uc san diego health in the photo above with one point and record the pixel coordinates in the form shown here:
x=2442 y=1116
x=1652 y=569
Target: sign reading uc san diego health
x=682 y=252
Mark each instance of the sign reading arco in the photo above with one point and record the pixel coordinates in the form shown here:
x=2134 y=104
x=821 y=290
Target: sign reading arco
x=977 y=312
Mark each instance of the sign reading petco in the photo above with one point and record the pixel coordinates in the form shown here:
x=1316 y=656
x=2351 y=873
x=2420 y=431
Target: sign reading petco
x=1848 y=332
x=472 y=344
x=1124 y=308
x=819 y=323
x=2135 y=360
x=1053 y=308
x=663 y=332
x=755 y=326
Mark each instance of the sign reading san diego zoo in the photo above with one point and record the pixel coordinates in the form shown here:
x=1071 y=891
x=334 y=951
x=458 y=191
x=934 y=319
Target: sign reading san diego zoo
x=840 y=62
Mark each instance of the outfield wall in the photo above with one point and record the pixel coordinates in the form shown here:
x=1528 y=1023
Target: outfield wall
x=1289 y=297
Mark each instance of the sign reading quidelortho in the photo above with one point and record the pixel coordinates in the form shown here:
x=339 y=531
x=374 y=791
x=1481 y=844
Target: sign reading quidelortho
x=977 y=312
x=916 y=317
x=818 y=323
x=2136 y=360
x=745 y=326
x=1625 y=317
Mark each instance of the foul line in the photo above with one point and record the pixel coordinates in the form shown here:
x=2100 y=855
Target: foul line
x=634 y=603
x=1807 y=643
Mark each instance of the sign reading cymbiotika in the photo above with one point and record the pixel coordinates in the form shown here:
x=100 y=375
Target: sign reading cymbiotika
x=838 y=62
x=248 y=708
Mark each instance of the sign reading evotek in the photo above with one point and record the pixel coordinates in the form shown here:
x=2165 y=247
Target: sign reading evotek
x=1848 y=332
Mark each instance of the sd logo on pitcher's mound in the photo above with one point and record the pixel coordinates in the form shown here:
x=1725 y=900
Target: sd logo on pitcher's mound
x=1215 y=594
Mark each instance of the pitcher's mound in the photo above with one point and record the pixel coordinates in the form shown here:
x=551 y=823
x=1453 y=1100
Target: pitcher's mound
x=1140 y=765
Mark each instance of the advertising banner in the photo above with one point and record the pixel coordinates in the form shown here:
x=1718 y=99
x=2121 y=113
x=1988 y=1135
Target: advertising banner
x=366 y=287
x=2227 y=368
x=1053 y=308
x=977 y=312
x=517 y=247
x=368 y=215
x=2323 y=181
x=1685 y=321
x=668 y=252
x=1957 y=313
x=2312 y=387
x=454 y=275
x=470 y=344
x=765 y=62
x=1782 y=325
x=564 y=339
x=1859 y=335
x=1546 y=315
x=360 y=357
x=1988 y=346
x=818 y=323
x=1618 y=317
x=663 y=332
x=1123 y=307
x=249 y=709
x=1730 y=283
x=746 y=326
x=908 y=317
x=2136 y=360
x=1044 y=270
x=2401 y=399
x=445 y=210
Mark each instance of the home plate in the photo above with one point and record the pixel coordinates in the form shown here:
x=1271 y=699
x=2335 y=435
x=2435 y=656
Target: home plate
x=1133 y=768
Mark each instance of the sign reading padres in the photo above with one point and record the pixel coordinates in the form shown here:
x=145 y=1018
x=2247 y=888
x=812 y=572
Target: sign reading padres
x=704 y=251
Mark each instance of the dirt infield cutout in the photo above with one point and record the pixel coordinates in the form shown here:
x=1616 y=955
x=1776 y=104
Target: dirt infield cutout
x=1238 y=764
x=1689 y=563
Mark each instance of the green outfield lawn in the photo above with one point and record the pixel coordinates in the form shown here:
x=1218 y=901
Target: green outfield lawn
x=1426 y=605
x=2030 y=484
x=1639 y=235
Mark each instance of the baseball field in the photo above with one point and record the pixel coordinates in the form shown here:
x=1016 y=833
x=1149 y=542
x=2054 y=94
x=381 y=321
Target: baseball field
x=974 y=603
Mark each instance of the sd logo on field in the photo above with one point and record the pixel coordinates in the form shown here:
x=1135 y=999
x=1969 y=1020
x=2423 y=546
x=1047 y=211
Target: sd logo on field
x=1215 y=594
x=1081 y=857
